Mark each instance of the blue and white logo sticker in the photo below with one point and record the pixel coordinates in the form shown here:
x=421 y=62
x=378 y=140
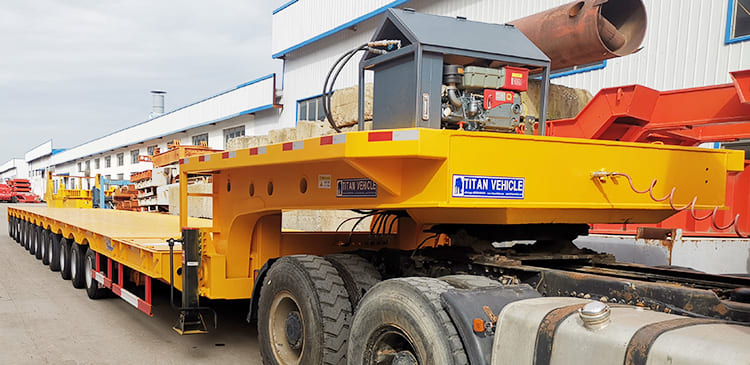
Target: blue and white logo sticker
x=488 y=187
x=356 y=188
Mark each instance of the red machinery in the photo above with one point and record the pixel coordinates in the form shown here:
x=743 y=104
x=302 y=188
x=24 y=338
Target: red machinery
x=18 y=191
x=684 y=117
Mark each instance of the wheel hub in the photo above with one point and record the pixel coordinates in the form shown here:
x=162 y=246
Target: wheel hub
x=294 y=330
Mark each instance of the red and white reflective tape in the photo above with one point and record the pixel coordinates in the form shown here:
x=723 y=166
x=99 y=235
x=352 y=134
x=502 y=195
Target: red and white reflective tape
x=204 y=158
x=333 y=139
x=184 y=161
x=230 y=154
x=258 y=150
x=407 y=135
x=127 y=296
x=292 y=146
x=132 y=299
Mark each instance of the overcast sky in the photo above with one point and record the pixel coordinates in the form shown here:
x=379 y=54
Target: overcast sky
x=72 y=71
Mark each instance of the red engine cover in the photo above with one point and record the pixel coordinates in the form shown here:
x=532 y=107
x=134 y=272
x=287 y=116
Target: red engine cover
x=516 y=78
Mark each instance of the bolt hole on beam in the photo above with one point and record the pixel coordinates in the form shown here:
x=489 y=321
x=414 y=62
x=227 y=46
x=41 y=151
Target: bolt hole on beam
x=251 y=189
x=303 y=185
x=270 y=188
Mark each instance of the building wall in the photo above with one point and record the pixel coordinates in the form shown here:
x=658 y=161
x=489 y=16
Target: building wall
x=684 y=44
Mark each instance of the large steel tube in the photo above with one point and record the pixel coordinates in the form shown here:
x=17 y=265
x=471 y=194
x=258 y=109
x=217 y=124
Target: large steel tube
x=586 y=31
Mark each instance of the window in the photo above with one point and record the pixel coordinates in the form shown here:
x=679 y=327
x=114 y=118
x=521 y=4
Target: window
x=80 y=169
x=96 y=164
x=120 y=176
x=578 y=69
x=310 y=109
x=233 y=133
x=108 y=177
x=88 y=166
x=120 y=159
x=134 y=156
x=150 y=150
x=204 y=138
x=738 y=21
x=108 y=162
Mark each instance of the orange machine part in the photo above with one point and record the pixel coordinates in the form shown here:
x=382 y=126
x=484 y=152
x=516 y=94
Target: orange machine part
x=684 y=117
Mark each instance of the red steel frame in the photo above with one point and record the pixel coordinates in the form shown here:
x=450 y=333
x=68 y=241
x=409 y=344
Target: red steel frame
x=684 y=117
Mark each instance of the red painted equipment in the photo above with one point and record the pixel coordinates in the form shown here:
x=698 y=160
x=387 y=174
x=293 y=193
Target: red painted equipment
x=18 y=191
x=685 y=117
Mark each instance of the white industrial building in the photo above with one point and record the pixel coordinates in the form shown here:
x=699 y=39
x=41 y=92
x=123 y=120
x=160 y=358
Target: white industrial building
x=688 y=43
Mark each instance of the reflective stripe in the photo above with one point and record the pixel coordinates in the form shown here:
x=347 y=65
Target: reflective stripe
x=98 y=276
x=333 y=139
x=407 y=135
x=231 y=154
x=258 y=150
x=291 y=146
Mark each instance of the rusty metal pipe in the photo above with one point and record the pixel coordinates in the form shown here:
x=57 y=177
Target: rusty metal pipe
x=586 y=31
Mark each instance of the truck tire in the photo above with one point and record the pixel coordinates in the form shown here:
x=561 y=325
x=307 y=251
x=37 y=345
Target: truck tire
x=357 y=273
x=65 y=259
x=93 y=289
x=76 y=265
x=10 y=228
x=39 y=242
x=26 y=235
x=403 y=318
x=304 y=313
x=46 y=247
x=32 y=239
x=54 y=260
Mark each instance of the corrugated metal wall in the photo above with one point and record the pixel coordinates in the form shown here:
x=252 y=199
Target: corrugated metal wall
x=684 y=44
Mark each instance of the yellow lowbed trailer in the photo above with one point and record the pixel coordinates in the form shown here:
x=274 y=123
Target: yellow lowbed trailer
x=480 y=189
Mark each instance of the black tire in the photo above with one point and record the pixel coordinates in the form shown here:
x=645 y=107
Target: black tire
x=47 y=247
x=26 y=235
x=93 y=289
x=404 y=317
x=10 y=227
x=54 y=262
x=13 y=199
x=39 y=242
x=33 y=236
x=65 y=258
x=357 y=273
x=303 y=314
x=77 y=253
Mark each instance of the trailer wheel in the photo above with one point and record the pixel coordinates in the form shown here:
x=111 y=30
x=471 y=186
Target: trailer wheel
x=93 y=288
x=26 y=235
x=304 y=313
x=64 y=258
x=39 y=242
x=10 y=228
x=402 y=319
x=357 y=273
x=54 y=252
x=47 y=247
x=76 y=265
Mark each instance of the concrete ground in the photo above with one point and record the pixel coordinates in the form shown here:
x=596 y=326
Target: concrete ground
x=43 y=319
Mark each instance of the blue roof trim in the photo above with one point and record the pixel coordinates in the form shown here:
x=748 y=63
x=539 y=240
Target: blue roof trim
x=253 y=81
x=282 y=7
x=58 y=150
x=580 y=70
x=341 y=27
x=178 y=109
x=249 y=111
x=728 y=30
